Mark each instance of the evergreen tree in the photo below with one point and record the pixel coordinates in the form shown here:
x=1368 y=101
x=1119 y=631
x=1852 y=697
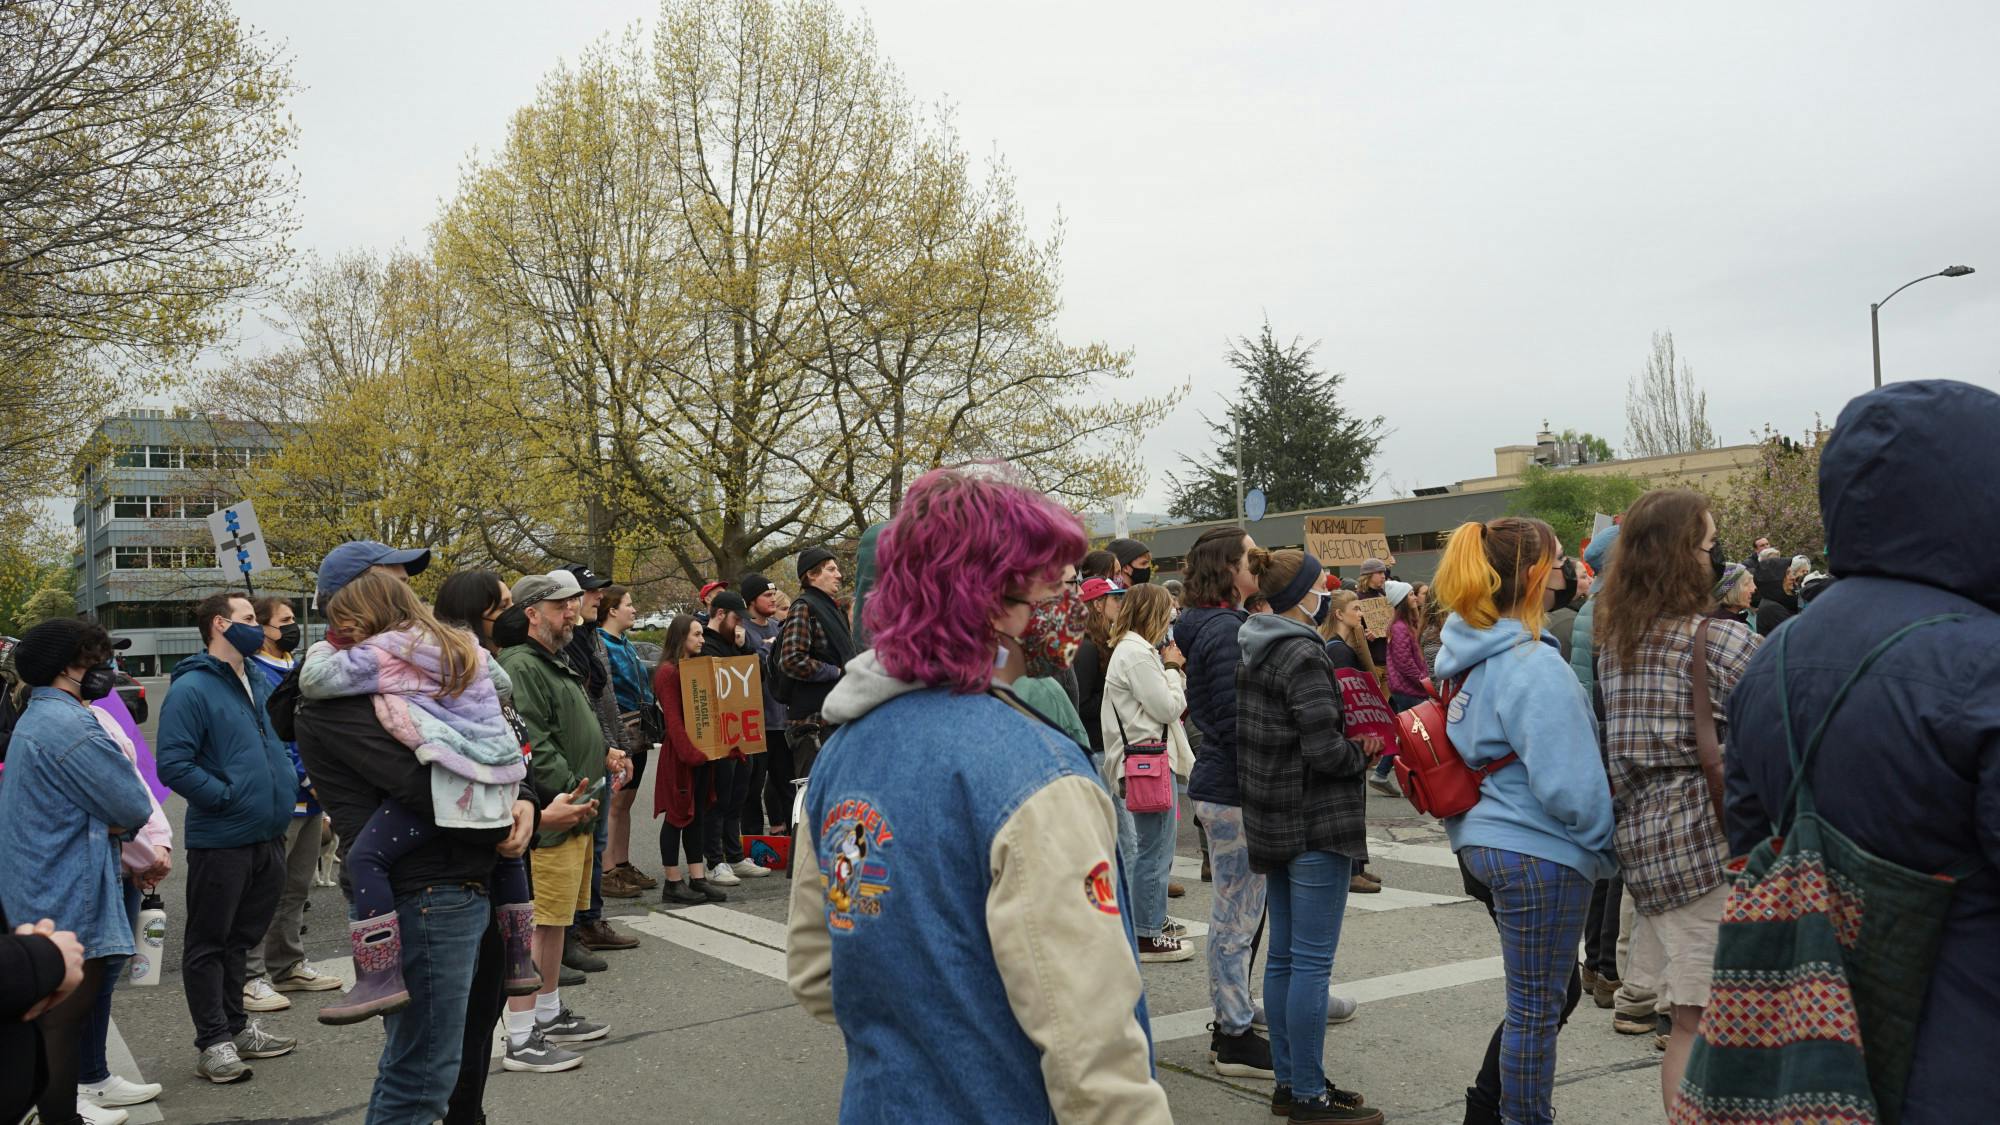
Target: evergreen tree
x=1300 y=445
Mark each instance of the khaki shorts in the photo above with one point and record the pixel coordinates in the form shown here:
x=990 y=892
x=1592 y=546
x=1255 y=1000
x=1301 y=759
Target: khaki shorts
x=1675 y=951
x=562 y=880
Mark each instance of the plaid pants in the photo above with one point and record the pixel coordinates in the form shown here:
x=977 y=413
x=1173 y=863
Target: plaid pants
x=1539 y=908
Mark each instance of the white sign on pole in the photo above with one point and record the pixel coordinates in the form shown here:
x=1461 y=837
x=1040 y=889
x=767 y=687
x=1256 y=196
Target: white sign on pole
x=239 y=539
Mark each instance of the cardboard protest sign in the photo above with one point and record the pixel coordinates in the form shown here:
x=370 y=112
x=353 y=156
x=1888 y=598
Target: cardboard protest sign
x=1376 y=613
x=1346 y=540
x=722 y=702
x=1362 y=709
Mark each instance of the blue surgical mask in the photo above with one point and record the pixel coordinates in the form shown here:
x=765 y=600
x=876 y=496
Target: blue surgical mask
x=244 y=638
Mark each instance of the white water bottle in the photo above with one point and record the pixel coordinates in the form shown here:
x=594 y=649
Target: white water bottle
x=149 y=940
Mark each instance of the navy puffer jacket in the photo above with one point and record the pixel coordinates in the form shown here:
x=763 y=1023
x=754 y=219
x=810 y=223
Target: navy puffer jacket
x=1207 y=637
x=1910 y=767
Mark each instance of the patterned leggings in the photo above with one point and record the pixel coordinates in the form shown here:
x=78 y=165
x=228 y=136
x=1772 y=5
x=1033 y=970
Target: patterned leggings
x=393 y=832
x=1235 y=918
x=1539 y=908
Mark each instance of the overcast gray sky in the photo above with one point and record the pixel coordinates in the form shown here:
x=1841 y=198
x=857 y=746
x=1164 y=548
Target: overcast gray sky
x=1482 y=211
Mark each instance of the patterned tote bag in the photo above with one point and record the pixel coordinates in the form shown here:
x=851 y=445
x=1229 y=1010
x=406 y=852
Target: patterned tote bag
x=1821 y=964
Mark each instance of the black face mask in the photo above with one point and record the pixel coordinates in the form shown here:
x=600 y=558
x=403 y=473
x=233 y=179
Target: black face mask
x=97 y=683
x=289 y=637
x=1564 y=597
x=1142 y=575
x=1716 y=562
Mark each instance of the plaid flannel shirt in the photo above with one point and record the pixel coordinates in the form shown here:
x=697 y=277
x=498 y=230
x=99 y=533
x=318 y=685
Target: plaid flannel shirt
x=1301 y=777
x=1670 y=848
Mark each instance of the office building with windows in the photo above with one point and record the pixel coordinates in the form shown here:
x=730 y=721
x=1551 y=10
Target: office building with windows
x=146 y=483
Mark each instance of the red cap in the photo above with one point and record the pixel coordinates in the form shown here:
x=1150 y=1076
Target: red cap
x=1332 y=581
x=1096 y=588
x=711 y=588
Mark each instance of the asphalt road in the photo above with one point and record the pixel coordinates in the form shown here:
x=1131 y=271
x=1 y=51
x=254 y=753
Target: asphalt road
x=703 y=1029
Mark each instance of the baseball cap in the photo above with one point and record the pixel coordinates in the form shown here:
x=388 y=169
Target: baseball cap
x=753 y=585
x=348 y=561
x=586 y=579
x=729 y=601
x=711 y=588
x=1096 y=588
x=555 y=586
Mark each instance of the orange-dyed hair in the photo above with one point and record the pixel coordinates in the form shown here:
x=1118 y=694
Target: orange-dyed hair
x=1498 y=569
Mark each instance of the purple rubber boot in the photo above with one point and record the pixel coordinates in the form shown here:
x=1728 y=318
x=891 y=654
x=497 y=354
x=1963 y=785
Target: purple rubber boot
x=517 y=937
x=378 y=972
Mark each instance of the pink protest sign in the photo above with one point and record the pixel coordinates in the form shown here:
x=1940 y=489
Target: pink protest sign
x=1363 y=709
x=149 y=771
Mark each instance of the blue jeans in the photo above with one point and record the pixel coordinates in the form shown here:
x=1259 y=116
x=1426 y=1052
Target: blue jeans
x=1308 y=899
x=91 y=1064
x=1539 y=907
x=442 y=927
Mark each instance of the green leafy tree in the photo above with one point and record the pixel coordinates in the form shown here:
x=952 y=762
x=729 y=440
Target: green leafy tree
x=1567 y=500
x=1300 y=445
x=1778 y=498
x=142 y=194
x=47 y=603
x=34 y=556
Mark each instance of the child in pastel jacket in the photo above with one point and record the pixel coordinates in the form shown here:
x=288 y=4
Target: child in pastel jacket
x=477 y=761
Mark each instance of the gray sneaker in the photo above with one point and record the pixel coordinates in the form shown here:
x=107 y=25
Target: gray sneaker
x=568 y=1027
x=539 y=1056
x=253 y=1042
x=221 y=1065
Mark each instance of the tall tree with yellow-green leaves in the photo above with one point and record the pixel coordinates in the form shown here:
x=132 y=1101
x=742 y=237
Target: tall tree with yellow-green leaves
x=366 y=399
x=743 y=293
x=142 y=192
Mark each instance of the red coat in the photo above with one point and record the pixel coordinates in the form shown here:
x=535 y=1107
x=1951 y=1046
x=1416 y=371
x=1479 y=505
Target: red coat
x=673 y=779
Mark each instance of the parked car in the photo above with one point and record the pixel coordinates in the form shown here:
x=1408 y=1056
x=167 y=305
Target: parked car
x=134 y=694
x=648 y=652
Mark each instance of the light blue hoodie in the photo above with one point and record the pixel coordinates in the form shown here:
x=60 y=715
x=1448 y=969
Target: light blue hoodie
x=1519 y=697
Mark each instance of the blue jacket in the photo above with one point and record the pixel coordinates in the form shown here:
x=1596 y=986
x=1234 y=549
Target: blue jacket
x=1207 y=636
x=959 y=898
x=1910 y=767
x=217 y=749
x=304 y=802
x=629 y=679
x=1583 y=634
x=65 y=786
x=1519 y=697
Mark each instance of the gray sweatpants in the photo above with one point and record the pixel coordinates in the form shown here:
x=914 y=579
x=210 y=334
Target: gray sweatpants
x=284 y=943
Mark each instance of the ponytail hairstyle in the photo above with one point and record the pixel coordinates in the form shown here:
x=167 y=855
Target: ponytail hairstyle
x=1351 y=635
x=1498 y=569
x=1275 y=571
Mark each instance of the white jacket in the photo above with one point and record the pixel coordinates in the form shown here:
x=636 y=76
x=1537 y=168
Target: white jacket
x=1143 y=693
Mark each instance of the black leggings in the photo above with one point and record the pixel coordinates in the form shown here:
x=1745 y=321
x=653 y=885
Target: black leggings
x=676 y=842
x=62 y=1041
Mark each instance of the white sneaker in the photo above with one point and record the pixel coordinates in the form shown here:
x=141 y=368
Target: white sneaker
x=749 y=869
x=302 y=977
x=116 y=1091
x=1339 y=1009
x=94 y=1114
x=722 y=876
x=259 y=996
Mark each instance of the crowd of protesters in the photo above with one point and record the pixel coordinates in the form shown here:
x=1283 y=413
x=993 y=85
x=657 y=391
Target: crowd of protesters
x=1014 y=725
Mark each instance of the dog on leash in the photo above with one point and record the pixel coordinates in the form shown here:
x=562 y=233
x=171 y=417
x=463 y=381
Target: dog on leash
x=326 y=872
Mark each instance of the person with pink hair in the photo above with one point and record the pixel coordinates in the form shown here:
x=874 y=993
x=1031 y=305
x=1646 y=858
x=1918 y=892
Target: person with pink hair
x=952 y=838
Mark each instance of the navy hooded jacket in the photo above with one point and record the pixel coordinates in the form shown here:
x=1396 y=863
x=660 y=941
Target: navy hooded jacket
x=1910 y=767
x=1207 y=637
x=217 y=749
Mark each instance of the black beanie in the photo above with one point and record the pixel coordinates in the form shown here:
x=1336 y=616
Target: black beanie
x=1128 y=551
x=810 y=560
x=752 y=586
x=45 y=650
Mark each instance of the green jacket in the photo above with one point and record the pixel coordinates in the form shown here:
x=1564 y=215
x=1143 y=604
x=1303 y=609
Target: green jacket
x=1047 y=697
x=567 y=744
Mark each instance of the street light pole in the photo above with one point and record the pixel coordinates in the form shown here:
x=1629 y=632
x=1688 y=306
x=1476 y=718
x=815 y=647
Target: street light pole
x=1875 y=319
x=1236 y=416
